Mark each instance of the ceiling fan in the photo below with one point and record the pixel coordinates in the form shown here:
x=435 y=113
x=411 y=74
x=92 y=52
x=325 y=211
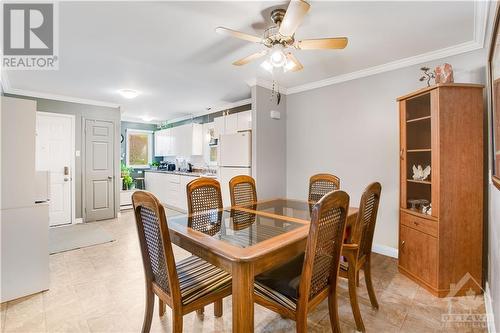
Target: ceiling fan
x=281 y=36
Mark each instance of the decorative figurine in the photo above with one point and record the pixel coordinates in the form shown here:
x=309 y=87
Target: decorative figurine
x=421 y=174
x=444 y=74
x=427 y=75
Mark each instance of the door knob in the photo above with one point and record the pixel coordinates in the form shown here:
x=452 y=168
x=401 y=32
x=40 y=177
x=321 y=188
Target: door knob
x=66 y=179
x=110 y=177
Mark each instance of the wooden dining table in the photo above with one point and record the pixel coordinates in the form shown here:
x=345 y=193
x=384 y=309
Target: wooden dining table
x=246 y=241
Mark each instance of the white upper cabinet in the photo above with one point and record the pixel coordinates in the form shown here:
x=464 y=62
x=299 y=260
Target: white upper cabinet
x=220 y=126
x=184 y=140
x=232 y=123
x=163 y=143
x=244 y=120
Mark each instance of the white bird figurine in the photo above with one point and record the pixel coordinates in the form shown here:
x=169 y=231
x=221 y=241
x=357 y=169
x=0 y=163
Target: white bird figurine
x=421 y=174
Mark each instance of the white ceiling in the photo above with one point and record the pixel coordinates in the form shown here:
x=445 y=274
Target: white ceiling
x=171 y=54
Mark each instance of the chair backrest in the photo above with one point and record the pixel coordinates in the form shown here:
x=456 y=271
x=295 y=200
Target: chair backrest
x=208 y=222
x=324 y=245
x=242 y=190
x=367 y=217
x=242 y=220
x=156 y=248
x=321 y=184
x=203 y=194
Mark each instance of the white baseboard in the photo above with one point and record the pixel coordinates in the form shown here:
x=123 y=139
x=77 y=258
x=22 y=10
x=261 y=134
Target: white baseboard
x=78 y=220
x=385 y=250
x=489 y=309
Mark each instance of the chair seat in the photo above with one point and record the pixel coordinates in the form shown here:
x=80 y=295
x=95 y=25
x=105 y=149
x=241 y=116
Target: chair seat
x=198 y=278
x=281 y=284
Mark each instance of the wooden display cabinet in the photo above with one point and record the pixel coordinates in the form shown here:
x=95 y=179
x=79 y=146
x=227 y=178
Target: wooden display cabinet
x=442 y=126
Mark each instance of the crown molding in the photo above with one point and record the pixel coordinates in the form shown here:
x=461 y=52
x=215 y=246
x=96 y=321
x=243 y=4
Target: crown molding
x=139 y=120
x=265 y=84
x=7 y=89
x=402 y=63
x=213 y=110
x=481 y=9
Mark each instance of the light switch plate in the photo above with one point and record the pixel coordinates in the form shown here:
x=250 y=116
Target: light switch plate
x=77 y=153
x=275 y=114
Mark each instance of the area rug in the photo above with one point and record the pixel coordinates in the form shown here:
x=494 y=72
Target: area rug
x=76 y=236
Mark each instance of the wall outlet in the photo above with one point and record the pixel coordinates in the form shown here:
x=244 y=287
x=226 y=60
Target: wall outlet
x=77 y=153
x=275 y=114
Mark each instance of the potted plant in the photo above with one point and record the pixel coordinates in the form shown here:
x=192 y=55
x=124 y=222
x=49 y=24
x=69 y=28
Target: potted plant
x=128 y=182
x=155 y=165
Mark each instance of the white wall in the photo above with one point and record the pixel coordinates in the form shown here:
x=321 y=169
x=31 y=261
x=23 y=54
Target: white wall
x=351 y=129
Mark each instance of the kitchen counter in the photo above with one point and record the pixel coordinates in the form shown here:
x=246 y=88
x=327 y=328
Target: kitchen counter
x=182 y=173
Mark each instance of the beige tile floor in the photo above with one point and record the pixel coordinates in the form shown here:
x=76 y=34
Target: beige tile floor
x=100 y=289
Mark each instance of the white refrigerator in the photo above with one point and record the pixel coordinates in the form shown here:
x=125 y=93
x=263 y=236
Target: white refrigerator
x=235 y=158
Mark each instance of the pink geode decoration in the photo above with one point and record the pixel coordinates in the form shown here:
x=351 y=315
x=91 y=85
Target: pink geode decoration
x=444 y=74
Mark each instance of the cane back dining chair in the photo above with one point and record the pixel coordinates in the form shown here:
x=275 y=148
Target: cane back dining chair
x=320 y=184
x=203 y=194
x=242 y=190
x=358 y=250
x=186 y=286
x=204 y=201
x=297 y=287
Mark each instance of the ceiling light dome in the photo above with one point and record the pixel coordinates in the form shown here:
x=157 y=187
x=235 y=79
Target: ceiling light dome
x=128 y=93
x=278 y=57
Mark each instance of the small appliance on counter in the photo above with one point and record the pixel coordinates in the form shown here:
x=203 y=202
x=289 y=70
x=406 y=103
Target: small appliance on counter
x=168 y=166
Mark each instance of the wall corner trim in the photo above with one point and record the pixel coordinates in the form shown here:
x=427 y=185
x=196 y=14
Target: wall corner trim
x=385 y=250
x=490 y=316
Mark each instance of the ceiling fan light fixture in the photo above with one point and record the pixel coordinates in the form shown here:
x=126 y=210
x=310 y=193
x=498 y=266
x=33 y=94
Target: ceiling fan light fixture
x=278 y=57
x=289 y=66
x=267 y=66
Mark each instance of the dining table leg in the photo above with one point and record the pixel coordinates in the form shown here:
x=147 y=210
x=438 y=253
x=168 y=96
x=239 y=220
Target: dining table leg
x=243 y=308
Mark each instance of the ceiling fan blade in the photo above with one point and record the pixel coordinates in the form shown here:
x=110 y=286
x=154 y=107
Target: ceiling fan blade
x=238 y=34
x=297 y=66
x=294 y=15
x=322 y=43
x=246 y=60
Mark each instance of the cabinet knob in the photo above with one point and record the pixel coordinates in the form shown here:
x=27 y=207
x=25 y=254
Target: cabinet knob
x=416 y=223
x=402 y=243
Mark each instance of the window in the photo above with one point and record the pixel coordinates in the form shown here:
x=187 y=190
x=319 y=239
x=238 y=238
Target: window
x=139 y=148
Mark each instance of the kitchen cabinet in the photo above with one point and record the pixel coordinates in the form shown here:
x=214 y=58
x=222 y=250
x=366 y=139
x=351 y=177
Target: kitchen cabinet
x=232 y=123
x=244 y=120
x=220 y=126
x=169 y=188
x=163 y=143
x=184 y=140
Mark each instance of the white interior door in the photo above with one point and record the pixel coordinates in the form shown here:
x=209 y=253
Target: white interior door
x=54 y=153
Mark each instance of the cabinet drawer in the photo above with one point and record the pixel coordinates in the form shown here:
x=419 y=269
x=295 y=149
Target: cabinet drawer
x=173 y=178
x=422 y=224
x=418 y=254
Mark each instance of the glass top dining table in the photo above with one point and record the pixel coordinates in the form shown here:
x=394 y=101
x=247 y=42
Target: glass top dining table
x=245 y=241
